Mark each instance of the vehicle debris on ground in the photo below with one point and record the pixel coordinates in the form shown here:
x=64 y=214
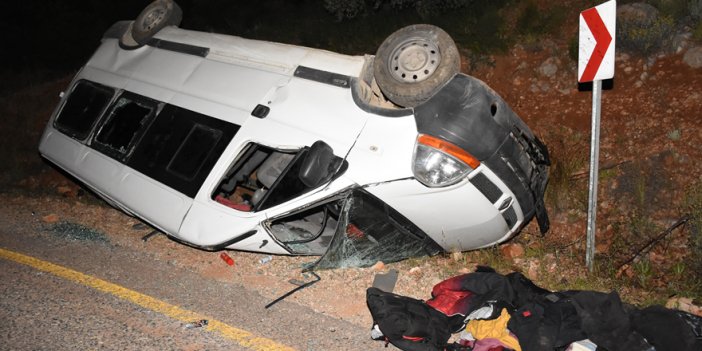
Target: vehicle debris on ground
x=226 y=258
x=196 y=324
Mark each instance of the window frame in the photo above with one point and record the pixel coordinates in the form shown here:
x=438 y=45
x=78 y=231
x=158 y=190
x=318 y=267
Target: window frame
x=158 y=147
x=107 y=117
x=181 y=148
x=83 y=138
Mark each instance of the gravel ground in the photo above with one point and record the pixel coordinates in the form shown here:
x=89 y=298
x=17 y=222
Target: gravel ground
x=340 y=293
x=45 y=312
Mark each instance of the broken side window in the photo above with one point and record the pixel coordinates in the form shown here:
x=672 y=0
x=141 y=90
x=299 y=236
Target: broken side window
x=264 y=177
x=126 y=121
x=181 y=147
x=83 y=107
x=247 y=184
x=369 y=231
x=308 y=231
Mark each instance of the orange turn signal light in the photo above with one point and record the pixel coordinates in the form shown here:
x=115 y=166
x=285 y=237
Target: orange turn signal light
x=448 y=148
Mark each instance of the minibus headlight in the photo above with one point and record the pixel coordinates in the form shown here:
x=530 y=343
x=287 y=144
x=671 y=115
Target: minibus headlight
x=438 y=163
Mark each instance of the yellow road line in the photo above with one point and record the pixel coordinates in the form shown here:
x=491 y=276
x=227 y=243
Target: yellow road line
x=241 y=337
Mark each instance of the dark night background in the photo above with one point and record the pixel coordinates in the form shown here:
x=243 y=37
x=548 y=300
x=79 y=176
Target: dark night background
x=56 y=36
x=61 y=35
x=47 y=39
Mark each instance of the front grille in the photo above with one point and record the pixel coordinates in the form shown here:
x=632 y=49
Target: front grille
x=488 y=188
x=510 y=217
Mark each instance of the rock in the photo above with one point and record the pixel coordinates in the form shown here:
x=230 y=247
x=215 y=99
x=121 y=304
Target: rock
x=415 y=271
x=684 y=304
x=637 y=12
x=550 y=262
x=51 y=218
x=680 y=42
x=693 y=57
x=540 y=87
x=552 y=267
x=67 y=191
x=656 y=258
x=533 y=270
x=549 y=68
x=378 y=266
x=545 y=87
x=602 y=247
x=692 y=100
x=139 y=226
x=627 y=271
x=466 y=270
x=512 y=251
x=624 y=57
x=628 y=69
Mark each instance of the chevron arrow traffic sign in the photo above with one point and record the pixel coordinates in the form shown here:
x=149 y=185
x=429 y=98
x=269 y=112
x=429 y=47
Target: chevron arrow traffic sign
x=596 y=44
x=595 y=63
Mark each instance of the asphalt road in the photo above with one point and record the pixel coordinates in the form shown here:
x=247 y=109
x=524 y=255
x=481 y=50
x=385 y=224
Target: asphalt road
x=63 y=294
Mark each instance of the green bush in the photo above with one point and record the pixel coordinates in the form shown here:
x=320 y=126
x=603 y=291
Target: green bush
x=345 y=9
x=680 y=10
x=573 y=47
x=348 y=9
x=695 y=8
x=534 y=22
x=564 y=191
x=475 y=25
x=644 y=37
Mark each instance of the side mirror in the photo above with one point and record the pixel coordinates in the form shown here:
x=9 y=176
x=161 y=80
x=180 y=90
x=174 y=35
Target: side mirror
x=318 y=165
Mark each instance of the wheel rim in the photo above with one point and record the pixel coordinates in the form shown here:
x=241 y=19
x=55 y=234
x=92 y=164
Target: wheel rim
x=127 y=38
x=153 y=18
x=414 y=60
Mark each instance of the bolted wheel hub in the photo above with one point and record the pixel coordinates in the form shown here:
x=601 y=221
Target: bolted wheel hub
x=153 y=18
x=414 y=60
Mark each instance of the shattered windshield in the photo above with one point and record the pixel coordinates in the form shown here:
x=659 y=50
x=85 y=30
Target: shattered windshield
x=370 y=231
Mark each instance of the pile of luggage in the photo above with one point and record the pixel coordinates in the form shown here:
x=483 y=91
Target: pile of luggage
x=495 y=312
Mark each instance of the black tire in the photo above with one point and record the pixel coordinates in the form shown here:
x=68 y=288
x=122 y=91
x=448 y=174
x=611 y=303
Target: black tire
x=126 y=41
x=153 y=18
x=413 y=63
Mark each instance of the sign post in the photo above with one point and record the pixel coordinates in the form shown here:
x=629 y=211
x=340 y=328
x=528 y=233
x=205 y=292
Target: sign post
x=595 y=63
